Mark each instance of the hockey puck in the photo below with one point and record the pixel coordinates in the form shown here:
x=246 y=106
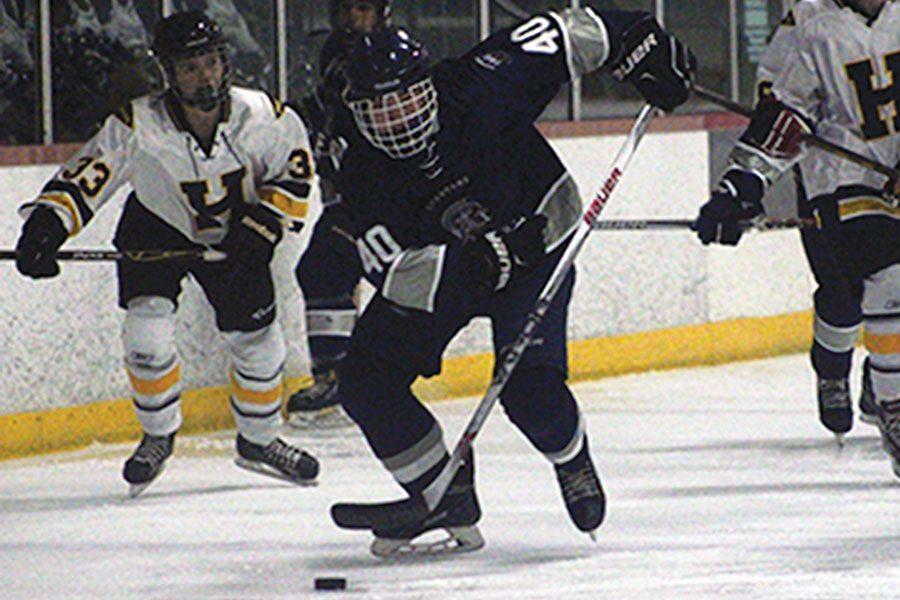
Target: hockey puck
x=330 y=583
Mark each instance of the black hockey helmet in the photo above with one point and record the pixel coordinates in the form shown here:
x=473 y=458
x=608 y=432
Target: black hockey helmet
x=185 y=35
x=339 y=13
x=868 y=10
x=390 y=92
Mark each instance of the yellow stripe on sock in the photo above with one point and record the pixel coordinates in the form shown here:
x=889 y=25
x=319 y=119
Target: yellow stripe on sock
x=882 y=344
x=147 y=387
x=254 y=397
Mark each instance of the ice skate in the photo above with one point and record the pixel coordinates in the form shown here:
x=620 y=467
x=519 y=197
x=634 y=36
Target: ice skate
x=147 y=462
x=868 y=412
x=835 y=407
x=318 y=406
x=457 y=515
x=582 y=492
x=279 y=460
x=889 y=426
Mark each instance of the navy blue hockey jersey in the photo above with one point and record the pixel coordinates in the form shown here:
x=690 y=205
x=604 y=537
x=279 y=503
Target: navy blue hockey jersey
x=400 y=224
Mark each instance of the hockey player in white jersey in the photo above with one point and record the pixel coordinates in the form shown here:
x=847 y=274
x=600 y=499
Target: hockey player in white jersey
x=841 y=79
x=211 y=166
x=837 y=303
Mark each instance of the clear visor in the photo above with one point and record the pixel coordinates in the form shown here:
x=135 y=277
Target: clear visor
x=399 y=123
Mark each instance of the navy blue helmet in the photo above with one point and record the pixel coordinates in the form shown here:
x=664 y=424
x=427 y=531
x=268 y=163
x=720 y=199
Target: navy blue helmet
x=390 y=92
x=385 y=61
x=184 y=35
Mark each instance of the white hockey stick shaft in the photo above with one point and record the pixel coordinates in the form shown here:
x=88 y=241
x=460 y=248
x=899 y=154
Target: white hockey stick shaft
x=762 y=224
x=507 y=362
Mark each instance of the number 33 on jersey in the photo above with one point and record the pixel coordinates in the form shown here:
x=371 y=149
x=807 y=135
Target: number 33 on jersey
x=260 y=153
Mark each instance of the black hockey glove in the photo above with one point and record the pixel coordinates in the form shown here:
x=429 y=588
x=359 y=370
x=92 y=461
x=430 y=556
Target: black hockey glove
x=253 y=233
x=738 y=198
x=42 y=235
x=656 y=63
x=501 y=255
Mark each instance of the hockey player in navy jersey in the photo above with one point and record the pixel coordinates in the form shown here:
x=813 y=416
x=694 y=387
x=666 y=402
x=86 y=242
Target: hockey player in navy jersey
x=457 y=207
x=209 y=165
x=842 y=79
x=330 y=319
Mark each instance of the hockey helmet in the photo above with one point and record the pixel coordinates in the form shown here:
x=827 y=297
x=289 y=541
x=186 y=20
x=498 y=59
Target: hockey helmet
x=185 y=35
x=391 y=93
x=340 y=17
x=870 y=9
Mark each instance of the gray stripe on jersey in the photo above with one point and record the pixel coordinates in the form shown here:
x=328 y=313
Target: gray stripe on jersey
x=587 y=42
x=414 y=462
x=336 y=323
x=562 y=207
x=413 y=278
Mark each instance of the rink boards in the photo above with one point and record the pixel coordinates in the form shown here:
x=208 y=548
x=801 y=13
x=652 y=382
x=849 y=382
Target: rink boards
x=642 y=301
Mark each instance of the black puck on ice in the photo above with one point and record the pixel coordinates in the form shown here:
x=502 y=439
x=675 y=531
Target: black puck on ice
x=330 y=583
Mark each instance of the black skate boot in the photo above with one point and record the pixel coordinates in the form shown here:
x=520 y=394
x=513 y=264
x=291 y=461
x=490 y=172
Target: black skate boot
x=868 y=412
x=457 y=514
x=147 y=462
x=582 y=491
x=318 y=406
x=889 y=426
x=278 y=459
x=835 y=407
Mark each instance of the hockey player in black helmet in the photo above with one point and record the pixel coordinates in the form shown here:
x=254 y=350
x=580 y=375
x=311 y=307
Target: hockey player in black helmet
x=459 y=208
x=330 y=320
x=209 y=166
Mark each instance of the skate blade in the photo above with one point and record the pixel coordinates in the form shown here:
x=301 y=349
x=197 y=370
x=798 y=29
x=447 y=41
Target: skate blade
x=593 y=536
x=839 y=438
x=459 y=540
x=264 y=469
x=136 y=489
x=326 y=419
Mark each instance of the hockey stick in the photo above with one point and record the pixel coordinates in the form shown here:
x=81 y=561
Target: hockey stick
x=681 y=224
x=408 y=512
x=810 y=138
x=132 y=255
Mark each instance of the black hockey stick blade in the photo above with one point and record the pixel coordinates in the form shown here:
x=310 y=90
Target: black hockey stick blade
x=379 y=515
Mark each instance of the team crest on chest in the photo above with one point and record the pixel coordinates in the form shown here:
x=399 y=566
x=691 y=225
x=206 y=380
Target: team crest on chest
x=464 y=217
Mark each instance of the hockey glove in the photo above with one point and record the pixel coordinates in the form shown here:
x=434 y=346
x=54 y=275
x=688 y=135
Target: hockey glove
x=42 y=235
x=501 y=255
x=253 y=233
x=738 y=198
x=656 y=63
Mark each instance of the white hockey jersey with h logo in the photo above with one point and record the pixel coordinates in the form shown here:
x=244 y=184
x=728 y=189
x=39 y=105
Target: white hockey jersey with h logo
x=842 y=71
x=260 y=153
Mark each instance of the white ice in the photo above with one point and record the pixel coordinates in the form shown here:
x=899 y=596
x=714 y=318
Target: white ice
x=721 y=484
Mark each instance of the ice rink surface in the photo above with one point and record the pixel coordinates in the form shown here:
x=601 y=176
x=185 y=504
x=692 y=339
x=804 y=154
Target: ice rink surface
x=721 y=484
